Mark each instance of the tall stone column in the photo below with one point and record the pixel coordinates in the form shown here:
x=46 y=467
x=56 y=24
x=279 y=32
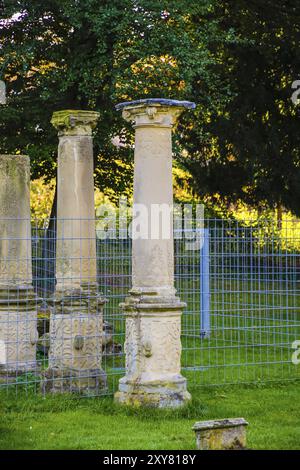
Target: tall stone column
x=76 y=323
x=153 y=312
x=18 y=316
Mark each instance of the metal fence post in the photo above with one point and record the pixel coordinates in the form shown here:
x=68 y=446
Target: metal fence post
x=204 y=285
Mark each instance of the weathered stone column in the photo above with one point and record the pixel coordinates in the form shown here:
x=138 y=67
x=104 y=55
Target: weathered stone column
x=76 y=323
x=153 y=312
x=18 y=316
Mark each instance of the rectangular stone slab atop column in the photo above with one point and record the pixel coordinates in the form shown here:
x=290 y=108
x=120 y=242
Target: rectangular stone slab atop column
x=76 y=324
x=153 y=312
x=18 y=302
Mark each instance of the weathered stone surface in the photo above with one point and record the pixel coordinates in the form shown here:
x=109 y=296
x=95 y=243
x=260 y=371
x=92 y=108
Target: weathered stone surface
x=18 y=338
x=76 y=353
x=156 y=101
x=109 y=347
x=76 y=320
x=18 y=303
x=76 y=341
x=224 y=434
x=76 y=239
x=153 y=312
x=85 y=382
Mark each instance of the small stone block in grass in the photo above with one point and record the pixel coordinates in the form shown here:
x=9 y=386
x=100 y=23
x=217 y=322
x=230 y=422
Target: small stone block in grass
x=223 y=434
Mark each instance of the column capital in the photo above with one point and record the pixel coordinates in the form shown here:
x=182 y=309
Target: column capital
x=75 y=122
x=153 y=112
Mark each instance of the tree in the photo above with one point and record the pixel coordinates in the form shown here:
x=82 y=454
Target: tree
x=250 y=150
x=60 y=54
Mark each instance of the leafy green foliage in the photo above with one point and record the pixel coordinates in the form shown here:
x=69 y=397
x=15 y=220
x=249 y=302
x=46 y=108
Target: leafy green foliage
x=236 y=60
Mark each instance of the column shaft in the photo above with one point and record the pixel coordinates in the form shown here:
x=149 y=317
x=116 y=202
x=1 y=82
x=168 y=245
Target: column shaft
x=18 y=317
x=76 y=325
x=153 y=259
x=76 y=243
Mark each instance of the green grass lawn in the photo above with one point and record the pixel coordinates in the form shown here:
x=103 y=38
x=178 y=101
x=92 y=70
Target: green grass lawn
x=30 y=421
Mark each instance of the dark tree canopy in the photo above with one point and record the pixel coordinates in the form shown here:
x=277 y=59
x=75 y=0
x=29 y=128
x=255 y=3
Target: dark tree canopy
x=252 y=150
x=62 y=54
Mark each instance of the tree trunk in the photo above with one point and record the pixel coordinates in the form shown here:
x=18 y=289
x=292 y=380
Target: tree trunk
x=49 y=251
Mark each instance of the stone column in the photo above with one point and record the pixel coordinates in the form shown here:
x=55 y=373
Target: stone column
x=18 y=316
x=76 y=323
x=153 y=312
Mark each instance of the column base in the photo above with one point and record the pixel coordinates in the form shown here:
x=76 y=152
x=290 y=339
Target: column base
x=20 y=368
x=156 y=394
x=15 y=369
x=153 y=351
x=11 y=374
x=84 y=382
x=75 y=354
x=18 y=332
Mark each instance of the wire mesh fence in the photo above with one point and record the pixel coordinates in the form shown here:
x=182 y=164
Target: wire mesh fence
x=241 y=287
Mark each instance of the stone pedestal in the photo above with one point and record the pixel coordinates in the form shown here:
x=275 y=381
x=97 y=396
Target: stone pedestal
x=18 y=317
x=153 y=312
x=76 y=322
